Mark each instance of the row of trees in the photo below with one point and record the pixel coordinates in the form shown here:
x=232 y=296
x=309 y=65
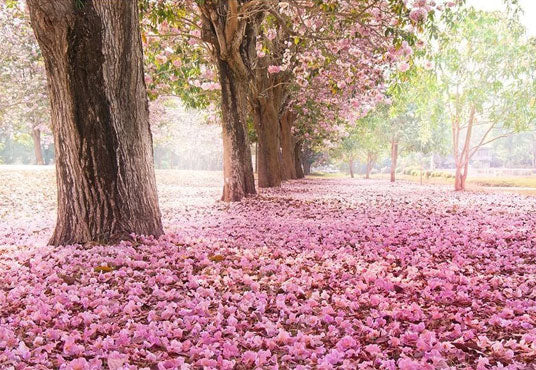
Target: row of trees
x=290 y=70
x=477 y=81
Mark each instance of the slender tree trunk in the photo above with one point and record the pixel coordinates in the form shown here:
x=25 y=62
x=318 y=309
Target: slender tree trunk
x=287 y=146
x=267 y=126
x=307 y=167
x=458 y=186
x=462 y=159
x=38 y=150
x=298 y=161
x=351 y=167
x=394 y=159
x=100 y=119
x=370 y=165
x=239 y=181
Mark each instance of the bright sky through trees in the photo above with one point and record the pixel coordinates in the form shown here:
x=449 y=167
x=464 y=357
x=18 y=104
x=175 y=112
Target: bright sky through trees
x=529 y=8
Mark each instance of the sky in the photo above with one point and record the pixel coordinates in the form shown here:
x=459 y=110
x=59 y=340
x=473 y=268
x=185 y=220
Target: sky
x=528 y=18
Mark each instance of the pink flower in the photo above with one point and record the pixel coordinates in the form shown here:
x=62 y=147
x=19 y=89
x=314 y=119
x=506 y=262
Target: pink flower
x=274 y=69
x=403 y=66
x=249 y=357
x=373 y=349
x=78 y=364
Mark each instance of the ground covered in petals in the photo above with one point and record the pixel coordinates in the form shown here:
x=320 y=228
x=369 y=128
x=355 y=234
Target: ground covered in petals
x=318 y=274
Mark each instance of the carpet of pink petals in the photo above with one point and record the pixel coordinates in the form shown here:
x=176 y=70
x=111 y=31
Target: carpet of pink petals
x=320 y=274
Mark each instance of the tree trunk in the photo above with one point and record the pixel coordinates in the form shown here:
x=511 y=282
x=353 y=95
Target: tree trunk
x=534 y=151
x=267 y=127
x=298 y=161
x=462 y=159
x=459 y=185
x=307 y=167
x=239 y=181
x=370 y=165
x=287 y=146
x=256 y=157
x=38 y=150
x=394 y=159
x=100 y=119
x=351 y=167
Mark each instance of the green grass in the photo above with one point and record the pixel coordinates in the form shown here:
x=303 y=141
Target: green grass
x=506 y=182
x=526 y=184
x=503 y=182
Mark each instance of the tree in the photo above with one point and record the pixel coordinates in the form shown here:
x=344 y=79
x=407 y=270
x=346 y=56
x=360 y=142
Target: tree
x=24 y=104
x=221 y=34
x=100 y=120
x=271 y=50
x=485 y=82
x=365 y=141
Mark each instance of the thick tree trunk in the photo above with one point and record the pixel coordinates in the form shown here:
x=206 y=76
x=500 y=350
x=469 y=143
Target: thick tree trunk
x=267 y=127
x=394 y=159
x=38 y=150
x=287 y=146
x=298 y=161
x=351 y=167
x=100 y=119
x=239 y=181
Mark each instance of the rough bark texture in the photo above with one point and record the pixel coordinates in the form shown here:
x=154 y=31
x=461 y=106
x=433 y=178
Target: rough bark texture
x=38 y=150
x=237 y=165
x=287 y=146
x=394 y=159
x=298 y=161
x=267 y=126
x=231 y=30
x=351 y=168
x=100 y=119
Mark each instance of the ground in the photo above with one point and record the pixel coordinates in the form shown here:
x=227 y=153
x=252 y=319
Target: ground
x=322 y=273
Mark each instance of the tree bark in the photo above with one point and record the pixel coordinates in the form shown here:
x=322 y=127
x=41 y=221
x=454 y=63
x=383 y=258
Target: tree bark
x=394 y=159
x=307 y=167
x=267 y=126
x=100 y=120
x=534 y=151
x=233 y=40
x=287 y=146
x=462 y=159
x=370 y=164
x=351 y=167
x=298 y=161
x=239 y=180
x=38 y=150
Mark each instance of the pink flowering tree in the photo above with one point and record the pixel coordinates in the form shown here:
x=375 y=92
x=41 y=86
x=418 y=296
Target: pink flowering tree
x=276 y=52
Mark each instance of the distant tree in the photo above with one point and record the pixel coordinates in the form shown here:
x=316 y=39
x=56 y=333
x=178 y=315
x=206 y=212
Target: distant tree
x=365 y=141
x=483 y=81
x=24 y=104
